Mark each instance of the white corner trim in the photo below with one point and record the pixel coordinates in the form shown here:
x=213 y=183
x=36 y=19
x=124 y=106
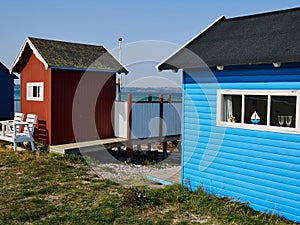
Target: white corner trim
x=18 y=56
x=219 y=107
x=35 y=52
x=183 y=46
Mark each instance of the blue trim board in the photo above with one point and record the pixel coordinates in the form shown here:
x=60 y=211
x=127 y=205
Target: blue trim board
x=83 y=69
x=159 y=180
x=242 y=74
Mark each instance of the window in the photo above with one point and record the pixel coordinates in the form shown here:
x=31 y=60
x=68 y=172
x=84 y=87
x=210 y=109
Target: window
x=283 y=111
x=232 y=108
x=35 y=91
x=256 y=104
x=261 y=110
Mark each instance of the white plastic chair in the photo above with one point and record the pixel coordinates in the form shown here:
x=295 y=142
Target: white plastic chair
x=19 y=117
x=7 y=128
x=19 y=135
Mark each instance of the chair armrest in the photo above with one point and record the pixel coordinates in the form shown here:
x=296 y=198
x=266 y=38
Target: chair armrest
x=20 y=123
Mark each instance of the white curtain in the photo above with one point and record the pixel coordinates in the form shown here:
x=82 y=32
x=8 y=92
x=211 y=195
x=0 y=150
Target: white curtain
x=228 y=111
x=29 y=91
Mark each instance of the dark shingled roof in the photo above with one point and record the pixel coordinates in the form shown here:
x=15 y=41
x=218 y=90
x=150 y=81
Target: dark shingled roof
x=257 y=39
x=59 y=54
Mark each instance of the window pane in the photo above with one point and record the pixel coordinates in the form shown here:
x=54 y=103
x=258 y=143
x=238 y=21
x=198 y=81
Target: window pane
x=283 y=111
x=38 y=92
x=30 y=91
x=256 y=109
x=232 y=108
x=34 y=91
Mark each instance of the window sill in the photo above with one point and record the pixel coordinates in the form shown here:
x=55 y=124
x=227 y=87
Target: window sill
x=35 y=99
x=259 y=127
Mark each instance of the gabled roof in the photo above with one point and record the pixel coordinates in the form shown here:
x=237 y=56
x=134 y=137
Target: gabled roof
x=4 y=71
x=66 y=55
x=256 y=39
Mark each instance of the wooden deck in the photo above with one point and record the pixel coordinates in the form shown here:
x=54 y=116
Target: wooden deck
x=97 y=149
x=103 y=144
x=87 y=146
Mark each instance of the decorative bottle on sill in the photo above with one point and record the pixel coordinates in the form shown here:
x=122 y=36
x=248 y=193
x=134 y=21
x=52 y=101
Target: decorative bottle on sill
x=255 y=118
x=231 y=119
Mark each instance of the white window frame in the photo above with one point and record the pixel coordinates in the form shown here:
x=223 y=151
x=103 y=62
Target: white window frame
x=267 y=127
x=29 y=92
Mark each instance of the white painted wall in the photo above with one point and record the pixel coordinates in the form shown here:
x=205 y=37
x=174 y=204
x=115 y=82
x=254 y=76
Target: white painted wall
x=145 y=119
x=172 y=118
x=121 y=119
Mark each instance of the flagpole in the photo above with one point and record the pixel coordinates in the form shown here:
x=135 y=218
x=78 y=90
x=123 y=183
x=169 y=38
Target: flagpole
x=120 y=76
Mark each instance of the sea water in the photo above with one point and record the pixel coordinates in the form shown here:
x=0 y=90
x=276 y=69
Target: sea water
x=17 y=98
x=136 y=96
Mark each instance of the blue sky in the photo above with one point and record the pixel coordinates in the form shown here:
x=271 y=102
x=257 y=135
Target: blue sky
x=102 y=22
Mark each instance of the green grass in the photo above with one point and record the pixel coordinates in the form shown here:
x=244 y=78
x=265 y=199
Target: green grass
x=51 y=189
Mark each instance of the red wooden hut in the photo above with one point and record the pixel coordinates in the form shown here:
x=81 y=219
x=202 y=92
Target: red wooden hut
x=52 y=74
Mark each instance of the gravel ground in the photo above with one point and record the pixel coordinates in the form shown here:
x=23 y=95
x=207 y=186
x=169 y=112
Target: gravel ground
x=129 y=175
x=107 y=166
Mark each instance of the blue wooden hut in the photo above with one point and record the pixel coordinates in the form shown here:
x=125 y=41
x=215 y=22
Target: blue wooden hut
x=241 y=109
x=6 y=93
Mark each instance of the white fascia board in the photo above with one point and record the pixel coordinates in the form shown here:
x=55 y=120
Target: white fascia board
x=183 y=46
x=35 y=52
x=18 y=56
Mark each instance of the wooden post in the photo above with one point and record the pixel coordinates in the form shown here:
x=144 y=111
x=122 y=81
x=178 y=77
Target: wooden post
x=165 y=148
x=129 y=124
x=161 y=113
x=139 y=147
x=119 y=150
x=119 y=89
x=149 y=98
x=169 y=98
x=149 y=147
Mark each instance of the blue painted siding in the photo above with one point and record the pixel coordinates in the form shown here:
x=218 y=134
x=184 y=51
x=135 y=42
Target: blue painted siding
x=6 y=95
x=259 y=167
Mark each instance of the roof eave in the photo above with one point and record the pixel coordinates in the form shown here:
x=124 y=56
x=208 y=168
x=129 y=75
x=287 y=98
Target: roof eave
x=14 y=76
x=84 y=69
x=183 y=46
x=123 y=68
x=8 y=72
x=253 y=63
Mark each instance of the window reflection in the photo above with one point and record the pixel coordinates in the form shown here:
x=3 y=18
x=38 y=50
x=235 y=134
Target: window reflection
x=283 y=111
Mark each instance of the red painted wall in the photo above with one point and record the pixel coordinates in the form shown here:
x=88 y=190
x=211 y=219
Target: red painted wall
x=34 y=71
x=81 y=105
x=92 y=111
